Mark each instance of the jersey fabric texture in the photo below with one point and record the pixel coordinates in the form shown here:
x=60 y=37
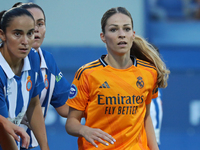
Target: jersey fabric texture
x=156 y=113
x=114 y=100
x=17 y=91
x=56 y=89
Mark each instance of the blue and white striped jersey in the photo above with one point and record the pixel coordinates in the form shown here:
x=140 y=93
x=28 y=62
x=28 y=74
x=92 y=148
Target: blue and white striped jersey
x=156 y=113
x=56 y=88
x=17 y=91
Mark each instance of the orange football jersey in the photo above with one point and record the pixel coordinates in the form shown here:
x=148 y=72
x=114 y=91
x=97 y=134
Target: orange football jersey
x=114 y=100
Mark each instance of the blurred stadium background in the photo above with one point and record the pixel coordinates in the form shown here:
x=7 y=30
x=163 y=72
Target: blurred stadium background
x=72 y=36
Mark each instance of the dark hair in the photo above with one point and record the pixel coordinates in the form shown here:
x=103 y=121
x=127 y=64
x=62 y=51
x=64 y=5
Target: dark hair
x=111 y=12
x=32 y=5
x=17 y=4
x=7 y=16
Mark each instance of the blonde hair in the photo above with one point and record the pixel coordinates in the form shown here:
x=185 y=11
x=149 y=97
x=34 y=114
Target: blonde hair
x=143 y=50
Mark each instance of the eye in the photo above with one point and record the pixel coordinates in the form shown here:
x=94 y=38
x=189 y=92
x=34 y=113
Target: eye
x=17 y=34
x=127 y=29
x=39 y=24
x=30 y=33
x=113 y=29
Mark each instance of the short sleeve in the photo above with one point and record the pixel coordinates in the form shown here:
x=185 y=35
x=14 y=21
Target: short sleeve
x=61 y=92
x=79 y=93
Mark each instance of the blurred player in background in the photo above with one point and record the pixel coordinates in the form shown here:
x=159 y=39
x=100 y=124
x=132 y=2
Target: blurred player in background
x=56 y=86
x=156 y=112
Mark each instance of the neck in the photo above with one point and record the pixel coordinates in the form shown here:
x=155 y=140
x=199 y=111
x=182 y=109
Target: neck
x=36 y=48
x=14 y=63
x=118 y=62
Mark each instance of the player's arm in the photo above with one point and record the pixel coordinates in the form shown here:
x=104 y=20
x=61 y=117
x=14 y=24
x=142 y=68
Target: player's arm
x=75 y=128
x=14 y=131
x=151 y=138
x=7 y=142
x=63 y=110
x=36 y=119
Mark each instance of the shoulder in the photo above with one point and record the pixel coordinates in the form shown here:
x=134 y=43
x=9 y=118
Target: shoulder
x=3 y=77
x=47 y=55
x=33 y=57
x=33 y=53
x=145 y=65
x=147 y=68
x=50 y=61
x=88 y=68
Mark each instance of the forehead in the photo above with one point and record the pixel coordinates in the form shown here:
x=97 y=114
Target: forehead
x=23 y=22
x=119 y=18
x=36 y=12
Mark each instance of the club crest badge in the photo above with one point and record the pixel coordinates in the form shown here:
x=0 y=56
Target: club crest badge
x=29 y=83
x=140 y=82
x=73 y=91
x=46 y=82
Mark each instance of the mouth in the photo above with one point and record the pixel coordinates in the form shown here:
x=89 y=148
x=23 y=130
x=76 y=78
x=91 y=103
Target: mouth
x=23 y=49
x=37 y=37
x=122 y=43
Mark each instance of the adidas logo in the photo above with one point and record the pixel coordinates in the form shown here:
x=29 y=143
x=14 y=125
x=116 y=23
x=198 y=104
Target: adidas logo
x=104 y=85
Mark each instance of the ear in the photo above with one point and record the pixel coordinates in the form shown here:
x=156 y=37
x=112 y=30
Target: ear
x=133 y=35
x=2 y=36
x=102 y=37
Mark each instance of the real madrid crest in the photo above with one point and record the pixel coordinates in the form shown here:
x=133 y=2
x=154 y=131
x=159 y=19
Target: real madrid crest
x=29 y=83
x=46 y=82
x=140 y=82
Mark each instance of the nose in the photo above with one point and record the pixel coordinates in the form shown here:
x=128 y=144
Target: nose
x=121 y=33
x=36 y=28
x=25 y=40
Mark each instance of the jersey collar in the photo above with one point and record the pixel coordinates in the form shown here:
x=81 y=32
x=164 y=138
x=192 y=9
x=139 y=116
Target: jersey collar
x=42 y=60
x=27 y=65
x=8 y=71
x=105 y=64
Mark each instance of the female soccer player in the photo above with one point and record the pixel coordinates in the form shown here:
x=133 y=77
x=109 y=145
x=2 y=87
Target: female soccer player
x=114 y=92
x=20 y=75
x=57 y=88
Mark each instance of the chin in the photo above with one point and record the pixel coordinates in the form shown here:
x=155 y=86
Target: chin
x=36 y=46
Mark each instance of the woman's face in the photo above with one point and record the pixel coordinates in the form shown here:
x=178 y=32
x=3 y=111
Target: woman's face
x=119 y=34
x=19 y=36
x=40 y=27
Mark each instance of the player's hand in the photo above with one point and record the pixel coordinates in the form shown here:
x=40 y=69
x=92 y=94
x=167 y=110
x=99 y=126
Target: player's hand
x=93 y=134
x=24 y=136
x=15 y=130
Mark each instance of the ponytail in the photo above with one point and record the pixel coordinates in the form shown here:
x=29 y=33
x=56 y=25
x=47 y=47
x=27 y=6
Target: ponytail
x=141 y=49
